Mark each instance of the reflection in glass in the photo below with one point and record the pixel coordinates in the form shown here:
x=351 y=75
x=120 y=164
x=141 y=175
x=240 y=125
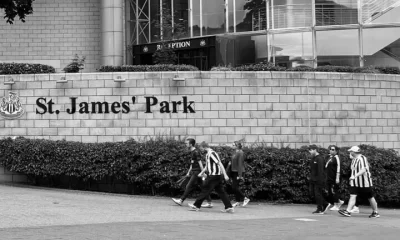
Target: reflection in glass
x=382 y=47
x=389 y=13
x=336 y=12
x=292 y=13
x=236 y=50
x=181 y=18
x=196 y=18
x=293 y=49
x=213 y=17
x=154 y=15
x=231 y=15
x=250 y=15
x=338 y=47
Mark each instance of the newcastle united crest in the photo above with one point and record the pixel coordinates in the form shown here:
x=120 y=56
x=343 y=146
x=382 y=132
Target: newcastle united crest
x=11 y=107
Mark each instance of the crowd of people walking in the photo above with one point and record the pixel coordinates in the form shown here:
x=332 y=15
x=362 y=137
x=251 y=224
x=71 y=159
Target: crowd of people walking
x=324 y=180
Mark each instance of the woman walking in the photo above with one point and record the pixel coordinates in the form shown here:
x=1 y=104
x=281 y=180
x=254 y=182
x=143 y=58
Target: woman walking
x=333 y=169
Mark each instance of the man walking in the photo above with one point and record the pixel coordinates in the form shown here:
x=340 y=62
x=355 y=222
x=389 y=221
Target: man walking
x=216 y=176
x=360 y=183
x=237 y=171
x=196 y=166
x=317 y=179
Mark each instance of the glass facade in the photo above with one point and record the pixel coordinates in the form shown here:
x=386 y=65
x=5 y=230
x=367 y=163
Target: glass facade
x=287 y=32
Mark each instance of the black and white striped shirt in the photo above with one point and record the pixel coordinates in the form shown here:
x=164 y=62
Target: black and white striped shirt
x=363 y=180
x=212 y=162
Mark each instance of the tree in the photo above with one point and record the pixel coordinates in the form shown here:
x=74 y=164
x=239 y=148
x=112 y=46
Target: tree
x=170 y=31
x=13 y=8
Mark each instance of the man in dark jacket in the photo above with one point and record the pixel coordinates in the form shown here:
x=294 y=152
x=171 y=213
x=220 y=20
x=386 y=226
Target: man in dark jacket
x=318 y=179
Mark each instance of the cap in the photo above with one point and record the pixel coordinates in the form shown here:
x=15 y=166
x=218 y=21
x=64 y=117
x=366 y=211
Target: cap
x=354 y=149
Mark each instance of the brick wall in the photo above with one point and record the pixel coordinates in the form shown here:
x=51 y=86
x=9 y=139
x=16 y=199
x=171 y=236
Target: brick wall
x=53 y=34
x=277 y=108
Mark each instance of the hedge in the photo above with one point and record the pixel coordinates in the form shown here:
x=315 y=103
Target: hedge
x=273 y=174
x=148 y=68
x=25 y=68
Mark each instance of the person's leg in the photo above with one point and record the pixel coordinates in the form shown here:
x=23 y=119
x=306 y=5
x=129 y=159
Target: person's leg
x=318 y=197
x=209 y=185
x=239 y=196
x=352 y=202
x=330 y=198
x=190 y=186
x=374 y=204
x=219 y=188
x=201 y=183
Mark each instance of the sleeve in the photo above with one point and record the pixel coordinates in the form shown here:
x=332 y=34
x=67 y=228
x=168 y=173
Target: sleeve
x=321 y=170
x=338 y=164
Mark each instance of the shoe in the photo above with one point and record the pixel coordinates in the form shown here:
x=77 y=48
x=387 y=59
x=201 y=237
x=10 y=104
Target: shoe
x=325 y=207
x=355 y=210
x=245 y=202
x=339 y=204
x=228 y=210
x=374 y=215
x=344 y=213
x=334 y=208
x=318 y=212
x=177 y=201
x=207 y=205
x=236 y=204
x=192 y=207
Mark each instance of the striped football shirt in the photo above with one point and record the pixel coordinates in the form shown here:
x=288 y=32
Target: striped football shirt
x=212 y=160
x=363 y=180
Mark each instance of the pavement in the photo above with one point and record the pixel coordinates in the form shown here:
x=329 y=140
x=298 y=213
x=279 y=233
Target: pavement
x=28 y=212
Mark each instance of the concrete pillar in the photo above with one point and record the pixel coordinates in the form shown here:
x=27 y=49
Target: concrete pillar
x=111 y=17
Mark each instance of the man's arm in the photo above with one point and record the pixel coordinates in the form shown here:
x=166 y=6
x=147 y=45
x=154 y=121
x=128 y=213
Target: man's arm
x=337 y=170
x=190 y=169
x=200 y=164
x=223 y=170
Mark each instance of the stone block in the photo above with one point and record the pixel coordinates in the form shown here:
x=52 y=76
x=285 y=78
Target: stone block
x=221 y=98
x=249 y=90
x=241 y=82
x=234 y=122
x=225 y=82
x=217 y=90
x=273 y=130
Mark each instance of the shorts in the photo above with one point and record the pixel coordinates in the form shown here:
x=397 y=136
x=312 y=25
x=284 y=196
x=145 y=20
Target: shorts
x=366 y=192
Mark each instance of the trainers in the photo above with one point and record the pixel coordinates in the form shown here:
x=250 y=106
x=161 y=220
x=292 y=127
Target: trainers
x=245 y=202
x=207 y=205
x=334 y=208
x=228 y=210
x=236 y=204
x=374 y=215
x=355 y=210
x=192 y=207
x=325 y=207
x=339 y=204
x=344 y=213
x=318 y=212
x=177 y=201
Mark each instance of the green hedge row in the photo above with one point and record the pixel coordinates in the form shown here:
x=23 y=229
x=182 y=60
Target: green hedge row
x=148 y=68
x=25 y=68
x=266 y=66
x=155 y=165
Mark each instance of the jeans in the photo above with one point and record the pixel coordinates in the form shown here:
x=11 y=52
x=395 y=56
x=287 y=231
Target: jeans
x=239 y=196
x=193 y=181
x=213 y=182
x=317 y=191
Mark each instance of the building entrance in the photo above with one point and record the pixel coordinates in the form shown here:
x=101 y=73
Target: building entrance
x=199 y=52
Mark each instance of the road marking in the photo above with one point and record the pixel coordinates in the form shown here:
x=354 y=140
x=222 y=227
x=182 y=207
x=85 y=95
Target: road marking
x=306 y=219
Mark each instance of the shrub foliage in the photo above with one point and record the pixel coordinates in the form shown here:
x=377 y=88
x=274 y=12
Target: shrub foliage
x=274 y=174
x=148 y=68
x=25 y=68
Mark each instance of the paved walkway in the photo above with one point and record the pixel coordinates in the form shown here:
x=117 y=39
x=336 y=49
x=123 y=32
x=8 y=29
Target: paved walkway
x=41 y=213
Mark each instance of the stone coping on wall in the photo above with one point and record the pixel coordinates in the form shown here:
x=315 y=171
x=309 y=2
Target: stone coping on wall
x=199 y=75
